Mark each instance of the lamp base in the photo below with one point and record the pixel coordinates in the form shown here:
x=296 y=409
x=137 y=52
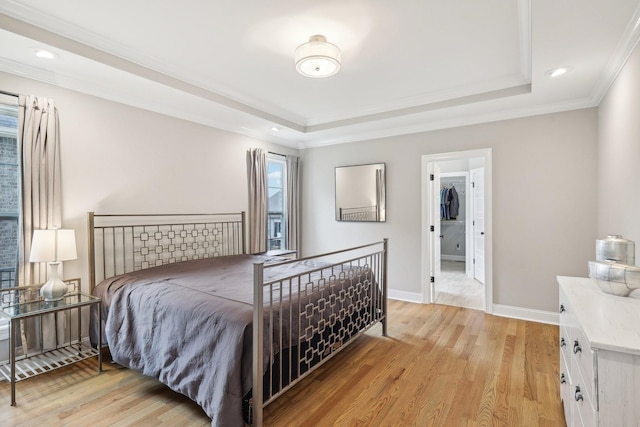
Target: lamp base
x=54 y=289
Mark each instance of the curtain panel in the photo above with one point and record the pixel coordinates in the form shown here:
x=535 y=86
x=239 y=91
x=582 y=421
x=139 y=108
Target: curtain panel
x=41 y=198
x=257 y=179
x=293 y=203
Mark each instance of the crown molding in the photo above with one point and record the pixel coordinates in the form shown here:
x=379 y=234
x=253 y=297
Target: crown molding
x=447 y=103
x=619 y=58
x=454 y=122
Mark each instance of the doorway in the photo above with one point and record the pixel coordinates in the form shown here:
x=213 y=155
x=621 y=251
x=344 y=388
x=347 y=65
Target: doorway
x=456 y=249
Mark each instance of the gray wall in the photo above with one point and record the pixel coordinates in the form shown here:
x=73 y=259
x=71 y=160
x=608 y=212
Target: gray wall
x=619 y=155
x=544 y=201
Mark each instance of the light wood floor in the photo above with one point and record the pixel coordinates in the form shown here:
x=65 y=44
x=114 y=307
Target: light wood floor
x=440 y=366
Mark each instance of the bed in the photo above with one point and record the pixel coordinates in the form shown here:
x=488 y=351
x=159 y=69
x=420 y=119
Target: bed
x=184 y=303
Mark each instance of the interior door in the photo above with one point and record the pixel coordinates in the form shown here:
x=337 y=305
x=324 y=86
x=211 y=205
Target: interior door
x=477 y=189
x=434 y=225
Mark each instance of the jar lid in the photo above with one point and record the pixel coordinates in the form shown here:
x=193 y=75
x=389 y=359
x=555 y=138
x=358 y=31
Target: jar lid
x=616 y=238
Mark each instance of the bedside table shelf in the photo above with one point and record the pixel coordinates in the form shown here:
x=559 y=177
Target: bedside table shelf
x=27 y=367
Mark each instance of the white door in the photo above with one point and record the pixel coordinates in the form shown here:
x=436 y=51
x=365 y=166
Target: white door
x=477 y=189
x=433 y=171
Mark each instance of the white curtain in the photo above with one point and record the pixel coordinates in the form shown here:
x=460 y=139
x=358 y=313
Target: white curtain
x=293 y=203
x=39 y=148
x=257 y=178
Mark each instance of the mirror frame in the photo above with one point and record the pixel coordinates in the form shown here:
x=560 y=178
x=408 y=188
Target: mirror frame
x=360 y=193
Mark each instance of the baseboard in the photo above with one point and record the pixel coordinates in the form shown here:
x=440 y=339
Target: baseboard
x=453 y=257
x=530 y=314
x=521 y=313
x=405 y=296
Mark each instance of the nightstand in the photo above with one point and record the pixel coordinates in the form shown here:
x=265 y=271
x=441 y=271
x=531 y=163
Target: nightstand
x=285 y=254
x=21 y=303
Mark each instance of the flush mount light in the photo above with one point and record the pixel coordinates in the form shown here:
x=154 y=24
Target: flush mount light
x=317 y=58
x=557 y=72
x=45 y=54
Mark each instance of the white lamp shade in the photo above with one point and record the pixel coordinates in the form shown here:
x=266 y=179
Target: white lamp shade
x=53 y=245
x=317 y=58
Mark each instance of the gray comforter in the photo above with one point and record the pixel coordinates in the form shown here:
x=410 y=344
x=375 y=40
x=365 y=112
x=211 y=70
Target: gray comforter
x=189 y=325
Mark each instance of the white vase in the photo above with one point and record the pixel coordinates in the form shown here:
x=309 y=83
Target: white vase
x=54 y=289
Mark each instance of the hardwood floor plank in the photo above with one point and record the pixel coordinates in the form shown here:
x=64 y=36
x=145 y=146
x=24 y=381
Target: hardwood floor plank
x=440 y=366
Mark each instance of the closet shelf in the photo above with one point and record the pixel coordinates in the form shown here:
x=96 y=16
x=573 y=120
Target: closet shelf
x=451 y=221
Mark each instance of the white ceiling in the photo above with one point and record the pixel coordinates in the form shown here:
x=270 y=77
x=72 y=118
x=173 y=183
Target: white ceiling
x=407 y=66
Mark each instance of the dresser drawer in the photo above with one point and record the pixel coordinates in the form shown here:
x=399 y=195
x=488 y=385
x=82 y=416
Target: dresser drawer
x=583 y=360
x=565 y=389
x=566 y=312
x=584 y=409
x=565 y=346
x=587 y=416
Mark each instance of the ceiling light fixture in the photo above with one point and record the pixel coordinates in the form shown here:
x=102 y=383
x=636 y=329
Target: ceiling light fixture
x=317 y=58
x=557 y=72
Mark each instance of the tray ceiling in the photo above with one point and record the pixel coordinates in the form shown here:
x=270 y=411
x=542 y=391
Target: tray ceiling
x=406 y=67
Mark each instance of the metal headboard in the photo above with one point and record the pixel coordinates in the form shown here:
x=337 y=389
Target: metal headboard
x=122 y=243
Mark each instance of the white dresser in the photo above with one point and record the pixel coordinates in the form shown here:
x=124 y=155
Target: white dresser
x=599 y=355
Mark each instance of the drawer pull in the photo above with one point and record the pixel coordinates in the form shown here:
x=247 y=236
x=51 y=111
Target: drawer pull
x=563 y=343
x=576 y=347
x=563 y=378
x=578 y=394
x=562 y=309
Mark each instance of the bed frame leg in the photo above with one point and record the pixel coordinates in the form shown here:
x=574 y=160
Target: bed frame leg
x=384 y=286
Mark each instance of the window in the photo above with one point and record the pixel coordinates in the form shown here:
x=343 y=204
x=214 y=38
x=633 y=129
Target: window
x=277 y=197
x=9 y=194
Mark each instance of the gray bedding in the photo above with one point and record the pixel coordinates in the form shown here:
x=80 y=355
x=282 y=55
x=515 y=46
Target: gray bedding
x=189 y=325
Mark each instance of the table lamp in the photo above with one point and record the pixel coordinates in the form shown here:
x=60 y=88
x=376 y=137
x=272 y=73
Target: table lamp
x=53 y=246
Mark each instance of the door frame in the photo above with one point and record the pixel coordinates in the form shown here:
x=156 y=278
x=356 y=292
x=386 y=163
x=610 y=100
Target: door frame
x=426 y=192
x=474 y=236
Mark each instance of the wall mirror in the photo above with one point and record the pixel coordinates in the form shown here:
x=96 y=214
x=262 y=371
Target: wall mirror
x=360 y=193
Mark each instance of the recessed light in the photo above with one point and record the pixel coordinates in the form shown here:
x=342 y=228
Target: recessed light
x=557 y=72
x=45 y=54
x=275 y=129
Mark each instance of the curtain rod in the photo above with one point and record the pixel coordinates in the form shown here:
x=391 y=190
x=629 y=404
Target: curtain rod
x=4 y=92
x=277 y=154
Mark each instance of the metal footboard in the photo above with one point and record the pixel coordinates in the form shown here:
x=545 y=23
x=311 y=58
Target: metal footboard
x=303 y=320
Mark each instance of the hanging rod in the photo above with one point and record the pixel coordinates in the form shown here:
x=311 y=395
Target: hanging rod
x=4 y=92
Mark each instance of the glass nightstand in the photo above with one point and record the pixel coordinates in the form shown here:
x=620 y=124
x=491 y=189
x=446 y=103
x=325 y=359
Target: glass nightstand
x=22 y=303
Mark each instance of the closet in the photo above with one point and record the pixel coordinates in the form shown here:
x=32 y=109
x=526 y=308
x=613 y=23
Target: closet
x=453 y=215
